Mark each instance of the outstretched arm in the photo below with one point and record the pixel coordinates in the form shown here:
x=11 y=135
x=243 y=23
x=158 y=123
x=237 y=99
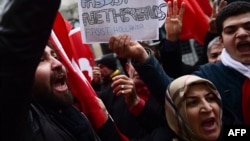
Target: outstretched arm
x=25 y=27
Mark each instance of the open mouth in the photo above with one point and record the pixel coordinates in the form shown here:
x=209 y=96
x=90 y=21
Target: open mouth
x=209 y=124
x=60 y=84
x=244 y=46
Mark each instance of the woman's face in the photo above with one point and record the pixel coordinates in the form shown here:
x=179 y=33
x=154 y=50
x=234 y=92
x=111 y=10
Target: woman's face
x=203 y=112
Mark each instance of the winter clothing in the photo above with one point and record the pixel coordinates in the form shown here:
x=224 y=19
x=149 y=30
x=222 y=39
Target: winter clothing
x=25 y=29
x=108 y=60
x=228 y=81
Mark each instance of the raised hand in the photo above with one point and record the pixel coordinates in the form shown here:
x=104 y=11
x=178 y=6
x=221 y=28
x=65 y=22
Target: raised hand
x=96 y=75
x=123 y=85
x=125 y=48
x=173 y=23
x=215 y=10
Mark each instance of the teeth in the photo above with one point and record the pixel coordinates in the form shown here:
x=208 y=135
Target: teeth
x=59 y=87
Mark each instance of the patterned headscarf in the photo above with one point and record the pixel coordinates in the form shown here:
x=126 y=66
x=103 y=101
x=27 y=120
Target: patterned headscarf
x=175 y=105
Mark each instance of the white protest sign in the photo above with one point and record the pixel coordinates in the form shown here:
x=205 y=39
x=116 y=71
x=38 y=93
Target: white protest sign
x=100 y=19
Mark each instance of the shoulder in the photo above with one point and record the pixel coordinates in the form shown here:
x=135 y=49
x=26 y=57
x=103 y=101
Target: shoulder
x=214 y=69
x=229 y=118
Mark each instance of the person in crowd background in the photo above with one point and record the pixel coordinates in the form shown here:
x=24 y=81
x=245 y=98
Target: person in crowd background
x=107 y=67
x=212 y=31
x=171 y=49
x=144 y=111
x=214 y=50
x=230 y=75
x=116 y=105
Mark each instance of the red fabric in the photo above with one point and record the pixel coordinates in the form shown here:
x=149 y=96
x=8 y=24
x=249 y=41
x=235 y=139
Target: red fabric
x=246 y=101
x=124 y=138
x=143 y=92
x=205 y=6
x=195 y=22
x=82 y=53
x=136 y=110
x=79 y=85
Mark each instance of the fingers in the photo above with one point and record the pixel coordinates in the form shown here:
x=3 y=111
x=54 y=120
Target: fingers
x=169 y=9
x=222 y=4
x=120 y=44
x=175 y=8
x=214 y=9
x=122 y=85
x=96 y=71
x=96 y=75
x=127 y=89
x=182 y=10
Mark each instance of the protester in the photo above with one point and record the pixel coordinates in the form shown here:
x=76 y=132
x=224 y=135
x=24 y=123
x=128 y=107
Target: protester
x=214 y=50
x=230 y=76
x=191 y=98
x=212 y=30
x=171 y=47
x=53 y=115
x=25 y=28
x=107 y=67
x=36 y=101
x=142 y=110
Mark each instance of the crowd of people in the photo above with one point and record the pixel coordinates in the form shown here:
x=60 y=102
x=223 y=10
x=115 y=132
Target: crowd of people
x=141 y=100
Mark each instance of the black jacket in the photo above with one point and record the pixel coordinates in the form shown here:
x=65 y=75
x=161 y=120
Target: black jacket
x=25 y=27
x=69 y=125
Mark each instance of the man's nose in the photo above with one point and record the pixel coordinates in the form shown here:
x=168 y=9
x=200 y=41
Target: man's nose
x=242 y=33
x=56 y=64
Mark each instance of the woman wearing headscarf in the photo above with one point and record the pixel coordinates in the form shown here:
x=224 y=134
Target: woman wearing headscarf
x=194 y=109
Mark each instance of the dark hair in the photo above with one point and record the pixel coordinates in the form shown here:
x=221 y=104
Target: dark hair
x=232 y=9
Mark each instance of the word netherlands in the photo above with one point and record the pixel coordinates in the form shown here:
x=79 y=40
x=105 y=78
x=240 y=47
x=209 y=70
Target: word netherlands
x=124 y=15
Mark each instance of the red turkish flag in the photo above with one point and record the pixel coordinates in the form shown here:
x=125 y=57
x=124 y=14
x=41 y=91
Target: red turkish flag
x=195 y=22
x=205 y=6
x=69 y=46
x=82 y=53
x=80 y=86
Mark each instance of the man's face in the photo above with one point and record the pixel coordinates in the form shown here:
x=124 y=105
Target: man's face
x=236 y=37
x=214 y=53
x=105 y=72
x=50 y=86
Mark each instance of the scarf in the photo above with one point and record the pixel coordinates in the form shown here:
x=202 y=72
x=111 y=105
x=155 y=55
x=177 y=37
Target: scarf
x=230 y=62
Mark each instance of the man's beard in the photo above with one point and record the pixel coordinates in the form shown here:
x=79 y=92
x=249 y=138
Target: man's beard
x=44 y=95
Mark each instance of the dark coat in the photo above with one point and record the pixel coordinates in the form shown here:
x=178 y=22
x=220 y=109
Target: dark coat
x=69 y=125
x=228 y=81
x=25 y=27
